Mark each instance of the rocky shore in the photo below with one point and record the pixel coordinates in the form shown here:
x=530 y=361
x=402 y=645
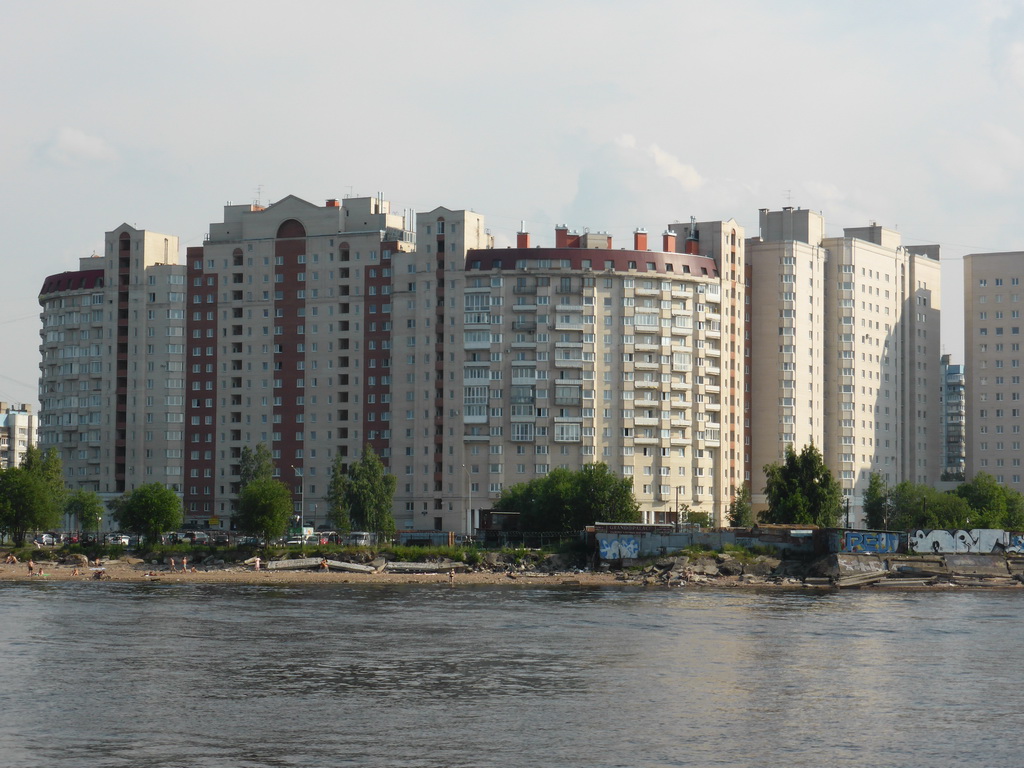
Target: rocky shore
x=705 y=570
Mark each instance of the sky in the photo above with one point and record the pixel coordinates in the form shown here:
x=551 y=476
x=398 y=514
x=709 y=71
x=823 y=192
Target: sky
x=594 y=114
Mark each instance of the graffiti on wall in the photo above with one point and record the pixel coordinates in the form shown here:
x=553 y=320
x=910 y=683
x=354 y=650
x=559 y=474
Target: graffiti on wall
x=618 y=547
x=974 y=541
x=870 y=542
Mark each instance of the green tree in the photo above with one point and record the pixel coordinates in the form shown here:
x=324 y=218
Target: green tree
x=86 y=508
x=368 y=491
x=47 y=466
x=740 y=513
x=987 y=500
x=26 y=503
x=564 y=500
x=148 y=511
x=801 y=490
x=876 y=503
x=337 y=505
x=264 y=508
x=913 y=505
x=255 y=464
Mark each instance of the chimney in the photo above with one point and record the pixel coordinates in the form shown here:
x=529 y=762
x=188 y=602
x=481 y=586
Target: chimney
x=561 y=236
x=333 y=203
x=640 y=240
x=522 y=240
x=668 y=240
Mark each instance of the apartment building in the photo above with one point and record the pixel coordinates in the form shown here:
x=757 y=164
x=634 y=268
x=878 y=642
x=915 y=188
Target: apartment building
x=288 y=344
x=17 y=433
x=111 y=375
x=581 y=353
x=992 y=344
x=845 y=351
x=953 y=402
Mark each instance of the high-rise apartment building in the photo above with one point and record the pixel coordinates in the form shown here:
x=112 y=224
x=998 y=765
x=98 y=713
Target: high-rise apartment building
x=845 y=351
x=953 y=402
x=320 y=329
x=992 y=346
x=582 y=353
x=111 y=376
x=17 y=433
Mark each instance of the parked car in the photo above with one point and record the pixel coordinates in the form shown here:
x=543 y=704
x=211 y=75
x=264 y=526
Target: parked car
x=44 y=540
x=119 y=538
x=221 y=539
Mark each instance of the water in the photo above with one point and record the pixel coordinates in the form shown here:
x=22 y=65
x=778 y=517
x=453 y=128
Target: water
x=201 y=675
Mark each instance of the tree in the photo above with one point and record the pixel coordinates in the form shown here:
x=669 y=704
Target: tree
x=801 y=490
x=264 y=508
x=987 y=500
x=367 y=494
x=564 y=500
x=255 y=464
x=876 y=503
x=740 y=513
x=86 y=507
x=149 y=511
x=26 y=503
x=337 y=507
x=47 y=467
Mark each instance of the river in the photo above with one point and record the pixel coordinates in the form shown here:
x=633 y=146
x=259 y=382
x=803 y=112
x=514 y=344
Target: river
x=101 y=674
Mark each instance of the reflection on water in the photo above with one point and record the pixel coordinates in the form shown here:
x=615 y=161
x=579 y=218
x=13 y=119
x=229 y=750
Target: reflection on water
x=210 y=675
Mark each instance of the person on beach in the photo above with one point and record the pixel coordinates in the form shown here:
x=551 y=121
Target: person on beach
x=256 y=563
x=75 y=572
x=323 y=564
x=10 y=559
x=451 y=577
x=31 y=567
x=174 y=565
x=184 y=563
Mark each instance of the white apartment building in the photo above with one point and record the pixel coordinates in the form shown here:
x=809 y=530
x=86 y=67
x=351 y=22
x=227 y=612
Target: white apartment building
x=581 y=353
x=845 y=352
x=992 y=344
x=112 y=382
x=17 y=433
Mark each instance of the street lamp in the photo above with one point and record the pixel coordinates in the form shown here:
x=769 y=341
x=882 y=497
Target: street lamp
x=302 y=495
x=469 y=490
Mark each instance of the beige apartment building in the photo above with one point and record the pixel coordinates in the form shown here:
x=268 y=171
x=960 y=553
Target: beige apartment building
x=992 y=345
x=112 y=381
x=583 y=353
x=845 y=352
x=17 y=433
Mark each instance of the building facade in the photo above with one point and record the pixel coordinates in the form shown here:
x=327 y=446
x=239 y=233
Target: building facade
x=111 y=376
x=992 y=358
x=581 y=353
x=17 y=433
x=846 y=352
x=953 y=402
x=320 y=329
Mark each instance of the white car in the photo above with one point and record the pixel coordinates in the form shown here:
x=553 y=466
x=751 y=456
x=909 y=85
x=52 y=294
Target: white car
x=119 y=538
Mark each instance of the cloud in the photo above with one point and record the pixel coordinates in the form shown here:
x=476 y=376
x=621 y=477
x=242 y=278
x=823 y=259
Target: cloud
x=664 y=162
x=72 y=146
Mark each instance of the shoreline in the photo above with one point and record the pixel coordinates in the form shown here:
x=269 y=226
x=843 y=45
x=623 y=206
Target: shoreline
x=121 y=572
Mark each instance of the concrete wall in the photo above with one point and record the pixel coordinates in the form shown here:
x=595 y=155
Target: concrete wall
x=975 y=541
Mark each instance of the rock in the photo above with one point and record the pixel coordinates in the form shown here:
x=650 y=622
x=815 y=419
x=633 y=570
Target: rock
x=730 y=567
x=80 y=561
x=493 y=559
x=705 y=567
x=758 y=568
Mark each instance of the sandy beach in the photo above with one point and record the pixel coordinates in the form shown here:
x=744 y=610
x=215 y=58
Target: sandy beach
x=121 y=571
